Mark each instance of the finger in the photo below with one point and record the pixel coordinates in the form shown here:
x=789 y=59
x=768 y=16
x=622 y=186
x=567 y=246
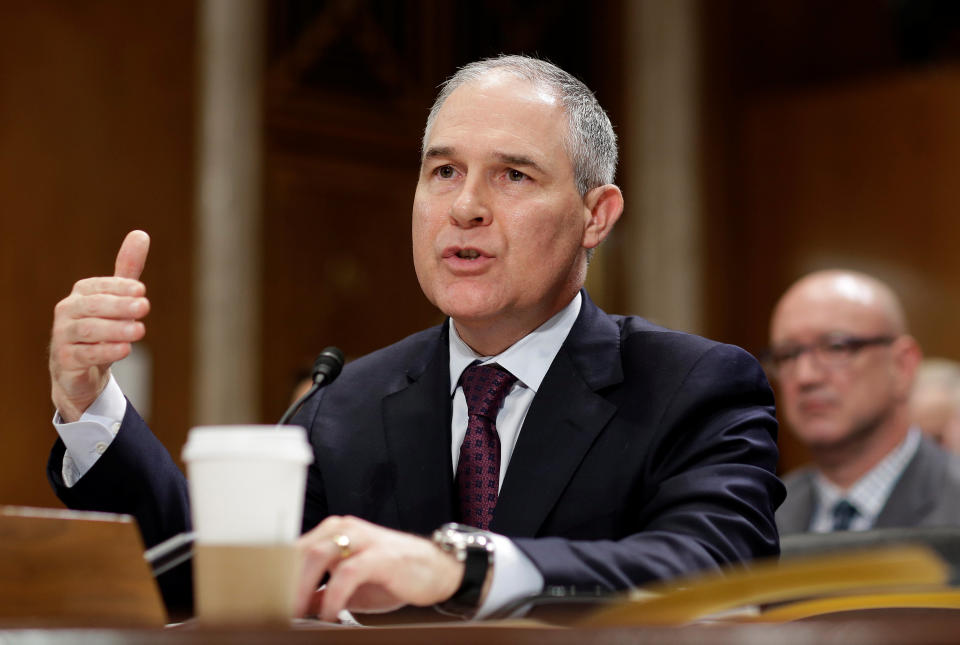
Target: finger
x=70 y=357
x=315 y=603
x=132 y=256
x=360 y=569
x=99 y=330
x=102 y=306
x=319 y=555
x=109 y=285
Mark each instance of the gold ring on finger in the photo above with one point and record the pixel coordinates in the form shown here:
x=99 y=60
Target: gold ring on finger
x=342 y=542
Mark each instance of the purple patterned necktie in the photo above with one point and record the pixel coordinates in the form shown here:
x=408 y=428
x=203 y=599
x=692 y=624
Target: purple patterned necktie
x=478 y=471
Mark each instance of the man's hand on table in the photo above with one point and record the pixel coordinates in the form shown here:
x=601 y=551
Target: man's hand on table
x=372 y=569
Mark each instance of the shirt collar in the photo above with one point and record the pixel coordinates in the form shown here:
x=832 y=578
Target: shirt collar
x=869 y=493
x=528 y=359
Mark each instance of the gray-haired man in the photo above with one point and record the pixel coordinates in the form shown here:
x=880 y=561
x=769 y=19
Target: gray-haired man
x=598 y=451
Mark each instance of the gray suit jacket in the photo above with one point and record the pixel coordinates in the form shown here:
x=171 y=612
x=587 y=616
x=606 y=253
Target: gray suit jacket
x=927 y=494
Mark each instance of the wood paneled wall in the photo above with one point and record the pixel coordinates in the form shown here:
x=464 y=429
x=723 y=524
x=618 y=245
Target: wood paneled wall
x=96 y=138
x=861 y=175
x=97 y=119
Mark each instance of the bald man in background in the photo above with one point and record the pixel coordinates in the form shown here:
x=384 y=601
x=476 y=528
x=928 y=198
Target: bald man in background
x=845 y=365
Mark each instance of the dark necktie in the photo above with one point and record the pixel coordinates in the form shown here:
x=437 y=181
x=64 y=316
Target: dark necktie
x=478 y=470
x=843 y=514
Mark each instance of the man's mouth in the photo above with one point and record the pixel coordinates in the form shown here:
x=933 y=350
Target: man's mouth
x=464 y=253
x=816 y=405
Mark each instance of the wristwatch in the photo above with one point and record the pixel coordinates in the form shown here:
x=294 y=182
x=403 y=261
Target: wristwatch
x=474 y=548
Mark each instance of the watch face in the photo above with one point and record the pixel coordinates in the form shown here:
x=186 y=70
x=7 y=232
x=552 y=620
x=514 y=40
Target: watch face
x=460 y=539
x=461 y=528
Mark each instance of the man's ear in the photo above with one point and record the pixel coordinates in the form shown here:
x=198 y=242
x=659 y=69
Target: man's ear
x=602 y=207
x=907 y=357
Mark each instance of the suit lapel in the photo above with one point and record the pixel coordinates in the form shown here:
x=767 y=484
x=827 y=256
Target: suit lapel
x=416 y=422
x=915 y=493
x=796 y=514
x=564 y=420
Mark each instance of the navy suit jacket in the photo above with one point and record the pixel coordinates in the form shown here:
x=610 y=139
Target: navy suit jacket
x=646 y=453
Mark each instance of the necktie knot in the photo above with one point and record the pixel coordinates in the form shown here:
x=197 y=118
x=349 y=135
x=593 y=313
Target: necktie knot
x=485 y=387
x=843 y=514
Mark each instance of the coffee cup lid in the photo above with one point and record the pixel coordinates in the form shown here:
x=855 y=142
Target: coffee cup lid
x=286 y=443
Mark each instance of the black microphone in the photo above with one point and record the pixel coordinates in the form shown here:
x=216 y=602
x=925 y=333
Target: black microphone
x=326 y=368
x=175 y=551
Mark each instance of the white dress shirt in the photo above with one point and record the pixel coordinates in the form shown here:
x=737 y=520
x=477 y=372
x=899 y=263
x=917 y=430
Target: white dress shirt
x=514 y=575
x=88 y=438
x=868 y=494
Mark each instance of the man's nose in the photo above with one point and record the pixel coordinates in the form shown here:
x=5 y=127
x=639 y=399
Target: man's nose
x=471 y=207
x=807 y=369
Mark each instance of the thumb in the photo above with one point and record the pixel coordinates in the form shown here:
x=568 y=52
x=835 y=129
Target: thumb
x=132 y=255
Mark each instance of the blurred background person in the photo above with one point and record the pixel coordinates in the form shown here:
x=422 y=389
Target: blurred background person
x=302 y=382
x=845 y=364
x=935 y=403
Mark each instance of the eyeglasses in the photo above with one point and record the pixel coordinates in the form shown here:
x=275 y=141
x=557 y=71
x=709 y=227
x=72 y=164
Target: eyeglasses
x=831 y=351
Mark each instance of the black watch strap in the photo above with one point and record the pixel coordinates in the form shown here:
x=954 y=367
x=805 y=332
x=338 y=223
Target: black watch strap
x=475 y=549
x=474 y=575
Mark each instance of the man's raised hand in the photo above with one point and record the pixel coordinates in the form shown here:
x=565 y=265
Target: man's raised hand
x=95 y=326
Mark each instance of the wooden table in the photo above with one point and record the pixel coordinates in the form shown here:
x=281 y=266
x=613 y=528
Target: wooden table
x=919 y=627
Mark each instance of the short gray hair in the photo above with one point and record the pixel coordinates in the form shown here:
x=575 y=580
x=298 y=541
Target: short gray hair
x=590 y=142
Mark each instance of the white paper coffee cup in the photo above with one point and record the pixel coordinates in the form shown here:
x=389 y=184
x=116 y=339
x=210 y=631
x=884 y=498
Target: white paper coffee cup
x=247 y=483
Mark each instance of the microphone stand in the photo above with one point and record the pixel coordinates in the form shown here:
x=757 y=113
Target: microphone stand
x=326 y=367
x=174 y=551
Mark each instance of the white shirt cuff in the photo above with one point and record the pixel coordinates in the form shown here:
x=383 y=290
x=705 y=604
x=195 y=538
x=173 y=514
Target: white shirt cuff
x=514 y=577
x=90 y=436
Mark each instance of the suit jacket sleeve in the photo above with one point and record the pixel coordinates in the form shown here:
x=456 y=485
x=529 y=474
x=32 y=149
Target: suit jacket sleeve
x=136 y=476
x=706 y=494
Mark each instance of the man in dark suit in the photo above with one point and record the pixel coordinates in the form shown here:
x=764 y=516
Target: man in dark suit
x=845 y=365
x=613 y=452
